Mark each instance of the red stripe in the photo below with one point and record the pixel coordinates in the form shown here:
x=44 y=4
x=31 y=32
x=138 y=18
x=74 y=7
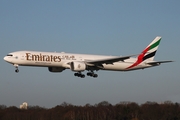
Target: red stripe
x=140 y=58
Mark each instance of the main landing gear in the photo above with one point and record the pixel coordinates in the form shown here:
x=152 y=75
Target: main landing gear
x=79 y=74
x=91 y=74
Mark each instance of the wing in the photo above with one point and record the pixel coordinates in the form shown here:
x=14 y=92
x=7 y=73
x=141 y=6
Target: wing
x=107 y=61
x=157 y=62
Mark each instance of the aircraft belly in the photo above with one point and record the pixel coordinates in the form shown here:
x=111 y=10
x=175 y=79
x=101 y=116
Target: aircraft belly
x=116 y=66
x=40 y=63
x=123 y=66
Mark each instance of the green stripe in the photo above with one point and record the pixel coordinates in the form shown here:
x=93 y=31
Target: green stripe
x=155 y=44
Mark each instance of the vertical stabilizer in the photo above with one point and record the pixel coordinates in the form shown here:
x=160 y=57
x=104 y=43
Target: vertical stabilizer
x=150 y=51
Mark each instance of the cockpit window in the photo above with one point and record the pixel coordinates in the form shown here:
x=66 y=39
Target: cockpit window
x=9 y=55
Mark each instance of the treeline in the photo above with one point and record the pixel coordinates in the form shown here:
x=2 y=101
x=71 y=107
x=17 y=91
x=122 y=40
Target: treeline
x=101 y=111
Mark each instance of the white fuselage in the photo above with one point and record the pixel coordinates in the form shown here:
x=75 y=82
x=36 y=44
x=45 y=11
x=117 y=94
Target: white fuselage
x=57 y=62
x=55 y=59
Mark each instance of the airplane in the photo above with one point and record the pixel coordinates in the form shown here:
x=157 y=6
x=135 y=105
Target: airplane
x=57 y=62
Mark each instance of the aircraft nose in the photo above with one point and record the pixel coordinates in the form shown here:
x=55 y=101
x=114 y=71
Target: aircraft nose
x=5 y=58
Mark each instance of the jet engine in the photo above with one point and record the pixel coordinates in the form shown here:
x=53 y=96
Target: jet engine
x=78 y=66
x=56 y=69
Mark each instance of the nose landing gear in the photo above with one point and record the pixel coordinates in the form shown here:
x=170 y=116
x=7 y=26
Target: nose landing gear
x=16 y=66
x=17 y=70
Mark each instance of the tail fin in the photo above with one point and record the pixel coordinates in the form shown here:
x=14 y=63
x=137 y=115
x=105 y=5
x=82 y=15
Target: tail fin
x=149 y=52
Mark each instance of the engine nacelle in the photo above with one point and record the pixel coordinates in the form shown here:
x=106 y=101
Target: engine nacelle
x=78 y=66
x=56 y=69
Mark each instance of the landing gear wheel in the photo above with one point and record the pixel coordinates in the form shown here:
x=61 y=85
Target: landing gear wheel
x=16 y=70
x=95 y=75
x=91 y=74
x=88 y=74
x=75 y=74
x=79 y=75
x=82 y=76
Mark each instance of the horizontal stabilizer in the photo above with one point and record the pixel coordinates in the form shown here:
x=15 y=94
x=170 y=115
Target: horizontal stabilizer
x=157 y=62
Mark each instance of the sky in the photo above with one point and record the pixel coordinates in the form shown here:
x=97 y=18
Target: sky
x=103 y=27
